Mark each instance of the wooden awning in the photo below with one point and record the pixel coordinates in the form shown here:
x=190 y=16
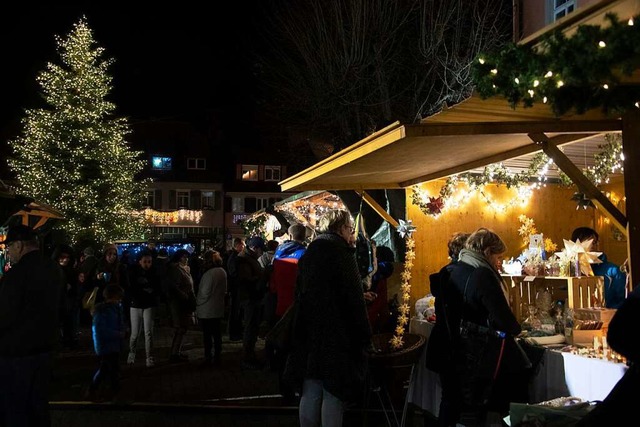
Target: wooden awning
x=472 y=134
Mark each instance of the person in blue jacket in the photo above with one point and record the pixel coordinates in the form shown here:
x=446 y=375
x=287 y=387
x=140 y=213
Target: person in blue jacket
x=108 y=333
x=615 y=280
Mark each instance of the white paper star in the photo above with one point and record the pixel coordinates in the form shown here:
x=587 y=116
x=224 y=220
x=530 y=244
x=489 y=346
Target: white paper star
x=405 y=228
x=582 y=252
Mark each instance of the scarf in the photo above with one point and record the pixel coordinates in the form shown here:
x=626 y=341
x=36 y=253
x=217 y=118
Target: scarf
x=477 y=260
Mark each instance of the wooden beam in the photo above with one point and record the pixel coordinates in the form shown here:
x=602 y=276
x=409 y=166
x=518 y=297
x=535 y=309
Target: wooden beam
x=583 y=183
x=376 y=207
x=631 y=150
x=521 y=151
x=509 y=127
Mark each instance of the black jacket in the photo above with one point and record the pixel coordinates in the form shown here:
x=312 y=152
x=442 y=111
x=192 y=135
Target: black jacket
x=144 y=288
x=332 y=330
x=30 y=295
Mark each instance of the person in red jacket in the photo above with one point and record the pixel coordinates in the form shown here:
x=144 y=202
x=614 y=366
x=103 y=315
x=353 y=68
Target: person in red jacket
x=378 y=305
x=282 y=283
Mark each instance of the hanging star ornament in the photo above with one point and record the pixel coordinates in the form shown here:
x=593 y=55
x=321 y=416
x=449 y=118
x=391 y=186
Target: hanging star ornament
x=582 y=201
x=405 y=228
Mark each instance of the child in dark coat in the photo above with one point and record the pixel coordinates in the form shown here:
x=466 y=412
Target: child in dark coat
x=108 y=332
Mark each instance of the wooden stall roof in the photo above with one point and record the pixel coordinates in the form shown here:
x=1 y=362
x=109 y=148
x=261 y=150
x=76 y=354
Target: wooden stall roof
x=466 y=136
x=471 y=134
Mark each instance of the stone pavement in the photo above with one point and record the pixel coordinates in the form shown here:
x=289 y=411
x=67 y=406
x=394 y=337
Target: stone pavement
x=182 y=393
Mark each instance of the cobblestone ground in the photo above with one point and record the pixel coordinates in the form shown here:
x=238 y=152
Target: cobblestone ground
x=181 y=393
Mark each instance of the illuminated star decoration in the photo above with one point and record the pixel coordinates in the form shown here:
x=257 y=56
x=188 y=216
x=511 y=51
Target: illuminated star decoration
x=435 y=205
x=582 y=251
x=405 y=228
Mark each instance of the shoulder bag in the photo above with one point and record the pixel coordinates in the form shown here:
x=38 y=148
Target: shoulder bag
x=479 y=354
x=281 y=334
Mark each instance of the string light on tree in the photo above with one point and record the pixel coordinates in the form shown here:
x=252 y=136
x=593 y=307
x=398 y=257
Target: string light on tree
x=73 y=154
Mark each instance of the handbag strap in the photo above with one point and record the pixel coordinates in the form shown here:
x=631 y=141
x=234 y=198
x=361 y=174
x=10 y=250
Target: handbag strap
x=464 y=297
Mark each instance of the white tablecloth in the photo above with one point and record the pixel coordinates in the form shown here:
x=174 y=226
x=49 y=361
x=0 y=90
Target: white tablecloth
x=560 y=375
x=566 y=374
x=424 y=390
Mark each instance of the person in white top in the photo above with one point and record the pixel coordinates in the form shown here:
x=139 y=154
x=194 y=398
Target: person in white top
x=210 y=305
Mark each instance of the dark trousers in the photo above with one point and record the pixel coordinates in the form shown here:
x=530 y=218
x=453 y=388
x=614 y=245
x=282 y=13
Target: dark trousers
x=211 y=332
x=24 y=390
x=235 y=322
x=176 y=343
x=109 y=371
x=70 y=325
x=251 y=316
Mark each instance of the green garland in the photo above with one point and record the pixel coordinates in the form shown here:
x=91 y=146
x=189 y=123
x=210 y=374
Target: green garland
x=577 y=73
x=607 y=161
x=254 y=226
x=495 y=173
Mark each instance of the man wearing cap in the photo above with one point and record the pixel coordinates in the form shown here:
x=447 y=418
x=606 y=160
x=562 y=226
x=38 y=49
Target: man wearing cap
x=30 y=296
x=249 y=276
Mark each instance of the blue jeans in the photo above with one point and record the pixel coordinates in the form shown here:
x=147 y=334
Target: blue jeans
x=24 y=390
x=318 y=407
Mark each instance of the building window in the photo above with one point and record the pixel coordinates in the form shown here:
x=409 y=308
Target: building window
x=161 y=163
x=197 y=163
x=562 y=8
x=237 y=204
x=272 y=173
x=262 y=203
x=249 y=172
x=182 y=197
x=208 y=199
x=150 y=199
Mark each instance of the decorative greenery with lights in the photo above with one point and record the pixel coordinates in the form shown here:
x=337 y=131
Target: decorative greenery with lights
x=73 y=154
x=581 y=72
x=495 y=173
x=609 y=160
x=254 y=226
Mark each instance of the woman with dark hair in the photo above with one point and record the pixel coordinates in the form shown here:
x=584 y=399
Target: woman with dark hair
x=327 y=363
x=182 y=301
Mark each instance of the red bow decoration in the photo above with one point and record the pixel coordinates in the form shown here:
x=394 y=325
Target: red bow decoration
x=435 y=205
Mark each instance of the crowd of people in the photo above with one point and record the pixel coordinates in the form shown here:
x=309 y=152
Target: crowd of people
x=339 y=304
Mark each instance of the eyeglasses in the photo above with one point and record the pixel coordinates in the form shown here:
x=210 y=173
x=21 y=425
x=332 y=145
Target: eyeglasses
x=351 y=228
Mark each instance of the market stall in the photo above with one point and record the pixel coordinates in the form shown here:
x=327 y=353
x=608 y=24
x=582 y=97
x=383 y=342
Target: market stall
x=497 y=142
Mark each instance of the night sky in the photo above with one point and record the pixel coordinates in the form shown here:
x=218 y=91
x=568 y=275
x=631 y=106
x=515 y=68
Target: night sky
x=171 y=63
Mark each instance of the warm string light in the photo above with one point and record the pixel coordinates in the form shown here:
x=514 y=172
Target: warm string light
x=73 y=155
x=404 y=309
x=158 y=217
x=515 y=71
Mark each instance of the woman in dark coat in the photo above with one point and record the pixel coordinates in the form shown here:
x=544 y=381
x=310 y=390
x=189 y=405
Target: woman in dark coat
x=327 y=363
x=473 y=291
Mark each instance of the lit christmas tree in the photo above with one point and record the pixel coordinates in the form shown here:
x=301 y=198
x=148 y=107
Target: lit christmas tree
x=73 y=154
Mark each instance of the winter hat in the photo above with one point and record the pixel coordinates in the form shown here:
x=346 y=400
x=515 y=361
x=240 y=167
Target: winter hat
x=256 y=243
x=108 y=247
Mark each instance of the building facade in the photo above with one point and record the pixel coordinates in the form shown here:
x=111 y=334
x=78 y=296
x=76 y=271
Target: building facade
x=531 y=16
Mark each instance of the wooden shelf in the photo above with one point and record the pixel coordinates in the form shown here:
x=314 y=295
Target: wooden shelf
x=578 y=292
